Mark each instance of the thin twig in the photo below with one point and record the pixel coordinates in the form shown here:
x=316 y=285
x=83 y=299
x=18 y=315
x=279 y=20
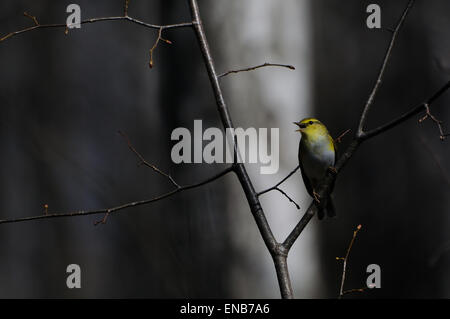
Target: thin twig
x=291 y=67
x=340 y=137
x=277 y=188
x=350 y=291
x=387 y=56
x=280 y=182
x=115 y=209
x=101 y=19
x=143 y=161
x=103 y=220
x=288 y=197
x=31 y=17
x=402 y=118
x=125 y=9
x=434 y=119
x=159 y=38
x=345 y=260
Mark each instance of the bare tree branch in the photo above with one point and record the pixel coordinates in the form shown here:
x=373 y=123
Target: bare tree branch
x=94 y=20
x=279 y=183
x=340 y=137
x=406 y=116
x=350 y=291
x=109 y=211
x=387 y=56
x=116 y=209
x=125 y=8
x=257 y=67
x=159 y=38
x=344 y=266
x=277 y=188
x=33 y=18
x=143 y=161
x=430 y=116
x=288 y=197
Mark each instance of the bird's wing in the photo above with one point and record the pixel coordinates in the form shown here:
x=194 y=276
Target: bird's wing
x=335 y=159
x=335 y=147
x=305 y=178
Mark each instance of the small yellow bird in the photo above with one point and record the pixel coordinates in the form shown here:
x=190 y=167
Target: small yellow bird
x=316 y=154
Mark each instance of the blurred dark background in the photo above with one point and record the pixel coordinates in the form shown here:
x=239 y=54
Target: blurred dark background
x=64 y=97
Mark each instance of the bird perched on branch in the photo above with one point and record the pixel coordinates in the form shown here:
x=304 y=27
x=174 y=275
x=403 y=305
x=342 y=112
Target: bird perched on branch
x=317 y=154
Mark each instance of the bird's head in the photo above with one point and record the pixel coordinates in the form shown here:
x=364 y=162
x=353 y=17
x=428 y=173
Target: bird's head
x=311 y=128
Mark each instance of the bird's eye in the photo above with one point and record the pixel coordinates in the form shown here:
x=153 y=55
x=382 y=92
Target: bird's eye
x=311 y=122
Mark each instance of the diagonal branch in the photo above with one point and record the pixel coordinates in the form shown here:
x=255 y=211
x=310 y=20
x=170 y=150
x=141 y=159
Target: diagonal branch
x=143 y=161
x=116 y=209
x=402 y=118
x=287 y=196
x=387 y=56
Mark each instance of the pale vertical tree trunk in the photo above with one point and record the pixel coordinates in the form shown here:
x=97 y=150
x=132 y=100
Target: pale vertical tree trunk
x=247 y=33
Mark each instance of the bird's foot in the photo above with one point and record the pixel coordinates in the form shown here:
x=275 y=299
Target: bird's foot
x=316 y=197
x=333 y=170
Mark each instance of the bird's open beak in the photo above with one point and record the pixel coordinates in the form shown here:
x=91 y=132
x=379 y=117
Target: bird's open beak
x=300 y=128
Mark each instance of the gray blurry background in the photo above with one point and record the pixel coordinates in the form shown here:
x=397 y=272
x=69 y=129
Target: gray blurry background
x=63 y=99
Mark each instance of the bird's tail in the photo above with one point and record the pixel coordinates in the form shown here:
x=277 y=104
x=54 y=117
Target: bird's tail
x=329 y=210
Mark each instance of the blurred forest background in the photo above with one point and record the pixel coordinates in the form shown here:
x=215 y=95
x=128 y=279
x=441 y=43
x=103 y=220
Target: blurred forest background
x=64 y=97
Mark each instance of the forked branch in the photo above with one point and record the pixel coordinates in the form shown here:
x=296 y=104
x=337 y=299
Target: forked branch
x=277 y=187
x=386 y=59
